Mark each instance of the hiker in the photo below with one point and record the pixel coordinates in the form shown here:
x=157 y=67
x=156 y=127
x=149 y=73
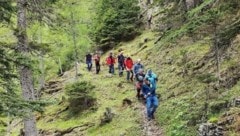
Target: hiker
x=89 y=61
x=97 y=62
x=152 y=77
x=136 y=67
x=151 y=99
x=110 y=62
x=120 y=58
x=139 y=78
x=129 y=65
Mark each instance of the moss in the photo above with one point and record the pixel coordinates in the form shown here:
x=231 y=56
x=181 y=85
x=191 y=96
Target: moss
x=213 y=120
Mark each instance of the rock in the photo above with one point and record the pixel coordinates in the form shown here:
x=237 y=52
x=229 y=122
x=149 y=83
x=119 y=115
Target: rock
x=126 y=102
x=169 y=61
x=236 y=102
x=107 y=116
x=109 y=76
x=210 y=129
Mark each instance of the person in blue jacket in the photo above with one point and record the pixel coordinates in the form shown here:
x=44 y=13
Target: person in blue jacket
x=152 y=77
x=137 y=66
x=149 y=93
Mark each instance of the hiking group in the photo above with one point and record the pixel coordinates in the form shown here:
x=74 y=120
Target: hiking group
x=145 y=83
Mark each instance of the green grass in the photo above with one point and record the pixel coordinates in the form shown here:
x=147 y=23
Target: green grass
x=175 y=114
x=108 y=95
x=2 y=127
x=172 y=112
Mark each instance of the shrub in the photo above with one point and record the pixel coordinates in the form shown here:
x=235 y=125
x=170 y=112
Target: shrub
x=80 y=96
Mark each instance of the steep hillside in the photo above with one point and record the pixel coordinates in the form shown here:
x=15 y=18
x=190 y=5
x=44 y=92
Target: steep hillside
x=196 y=55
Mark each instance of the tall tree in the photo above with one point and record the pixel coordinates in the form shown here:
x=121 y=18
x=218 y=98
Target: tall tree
x=74 y=43
x=6 y=10
x=116 y=20
x=24 y=71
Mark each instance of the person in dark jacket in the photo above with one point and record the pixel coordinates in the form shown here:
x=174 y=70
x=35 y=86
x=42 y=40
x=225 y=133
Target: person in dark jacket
x=139 y=77
x=149 y=94
x=89 y=61
x=121 y=59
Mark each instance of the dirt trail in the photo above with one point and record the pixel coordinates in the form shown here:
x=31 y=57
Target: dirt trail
x=150 y=128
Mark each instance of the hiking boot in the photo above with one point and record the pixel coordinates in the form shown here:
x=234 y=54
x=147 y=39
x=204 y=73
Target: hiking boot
x=149 y=119
x=153 y=117
x=137 y=96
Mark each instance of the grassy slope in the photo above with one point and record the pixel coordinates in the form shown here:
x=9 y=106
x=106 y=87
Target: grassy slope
x=182 y=97
x=126 y=120
x=108 y=95
x=171 y=110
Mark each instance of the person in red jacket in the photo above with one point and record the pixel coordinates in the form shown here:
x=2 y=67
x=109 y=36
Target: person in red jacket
x=110 y=62
x=129 y=65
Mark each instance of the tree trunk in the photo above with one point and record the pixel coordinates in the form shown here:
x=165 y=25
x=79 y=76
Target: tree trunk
x=74 y=44
x=206 y=104
x=218 y=63
x=24 y=71
x=9 y=126
x=42 y=75
x=41 y=66
x=217 y=55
